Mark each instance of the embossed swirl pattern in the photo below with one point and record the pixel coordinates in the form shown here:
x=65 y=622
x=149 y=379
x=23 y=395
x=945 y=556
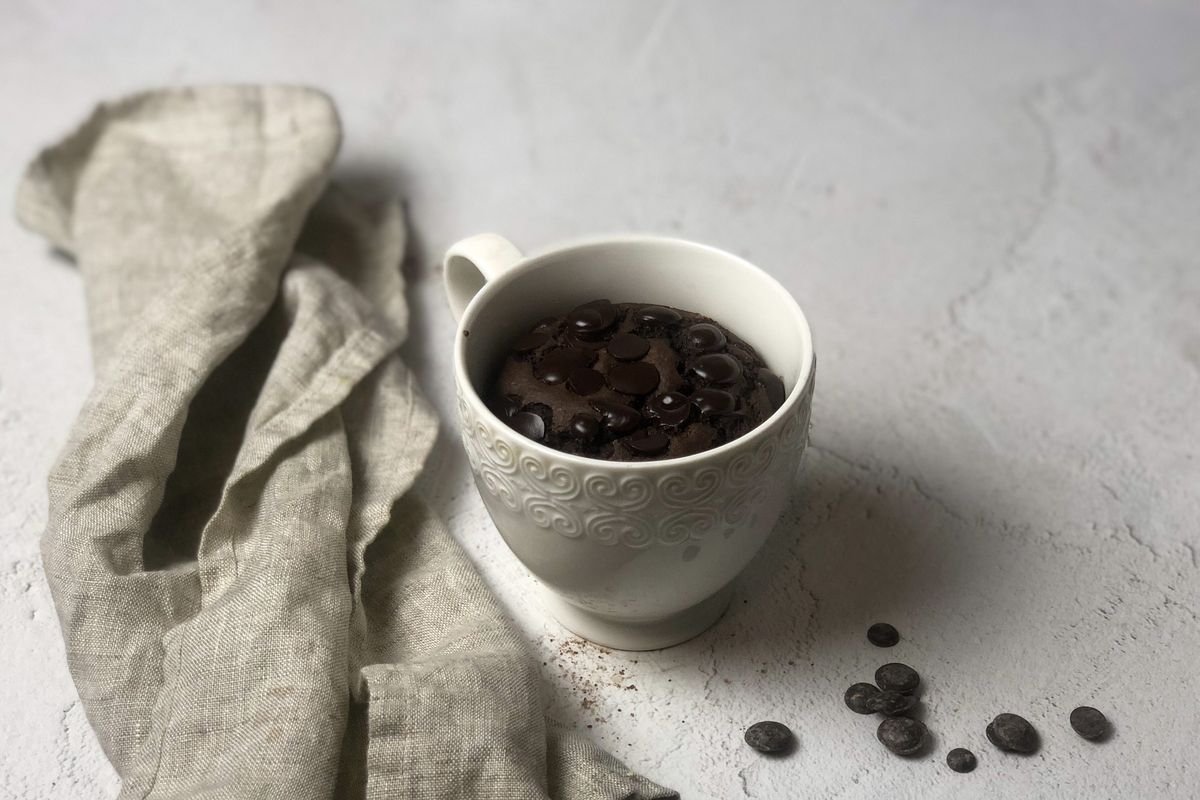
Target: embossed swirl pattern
x=632 y=510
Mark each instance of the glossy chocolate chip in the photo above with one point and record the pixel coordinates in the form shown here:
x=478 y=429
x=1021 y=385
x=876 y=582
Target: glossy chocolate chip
x=860 y=696
x=657 y=315
x=593 y=317
x=618 y=417
x=636 y=378
x=648 y=441
x=584 y=427
x=774 y=386
x=705 y=337
x=585 y=381
x=713 y=401
x=558 y=363
x=897 y=678
x=1090 y=723
x=960 y=759
x=769 y=737
x=882 y=634
x=672 y=408
x=717 y=367
x=901 y=735
x=1013 y=733
x=892 y=704
x=528 y=424
x=506 y=406
x=628 y=346
x=531 y=341
x=546 y=323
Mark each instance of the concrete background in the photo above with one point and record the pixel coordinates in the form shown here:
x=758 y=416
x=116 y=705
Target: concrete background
x=989 y=212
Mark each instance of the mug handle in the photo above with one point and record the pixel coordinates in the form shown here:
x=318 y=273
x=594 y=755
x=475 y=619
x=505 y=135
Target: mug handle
x=472 y=262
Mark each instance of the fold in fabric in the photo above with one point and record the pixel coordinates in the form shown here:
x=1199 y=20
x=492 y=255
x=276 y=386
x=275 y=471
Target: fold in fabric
x=254 y=603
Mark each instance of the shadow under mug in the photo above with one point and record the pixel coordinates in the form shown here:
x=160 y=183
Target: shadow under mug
x=641 y=555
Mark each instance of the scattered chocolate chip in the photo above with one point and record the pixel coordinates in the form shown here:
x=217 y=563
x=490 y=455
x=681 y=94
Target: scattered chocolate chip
x=592 y=318
x=1090 y=723
x=714 y=401
x=859 y=697
x=585 y=427
x=528 y=424
x=717 y=367
x=902 y=735
x=530 y=341
x=881 y=634
x=960 y=759
x=558 y=363
x=657 y=315
x=636 y=378
x=1013 y=733
x=705 y=337
x=618 y=417
x=628 y=346
x=897 y=678
x=648 y=441
x=672 y=408
x=769 y=737
x=506 y=406
x=585 y=381
x=775 y=396
x=892 y=704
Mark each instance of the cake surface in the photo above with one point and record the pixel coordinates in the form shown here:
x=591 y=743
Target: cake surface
x=633 y=382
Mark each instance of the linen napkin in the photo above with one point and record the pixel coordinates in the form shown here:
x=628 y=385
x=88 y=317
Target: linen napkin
x=253 y=601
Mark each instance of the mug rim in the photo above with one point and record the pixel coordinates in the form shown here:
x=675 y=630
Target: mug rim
x=540 y=255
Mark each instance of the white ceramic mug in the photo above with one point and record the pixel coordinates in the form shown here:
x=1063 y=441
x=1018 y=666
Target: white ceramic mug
x=641 y=555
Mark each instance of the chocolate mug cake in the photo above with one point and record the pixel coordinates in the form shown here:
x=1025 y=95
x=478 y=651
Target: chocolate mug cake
x=633 y=382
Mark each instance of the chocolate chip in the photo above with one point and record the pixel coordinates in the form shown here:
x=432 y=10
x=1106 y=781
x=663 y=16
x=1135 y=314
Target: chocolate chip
x=902 y=735
x=506 y=406
x=648 y=441
x=671 y=408
x=591 y=318
x=769 y=737
x=657 y=315
x=892 y=704
x=1090 y=723
x=705 y=337
x=636 y=378
x=584 y=426
x=618 y=417
x=585 y=381
x=882 y=635
x=531 y=341
x=717 y=367
x=1013 y=733
x=528 y=424
x=628 y=346
x=714 y=401
x=558 y=363
x=859 y=697
x=775 y=396
x=546 y=323
x=897 y=678
x=960 y=759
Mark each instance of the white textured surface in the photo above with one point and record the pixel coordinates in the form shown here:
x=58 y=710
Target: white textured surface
x=989 y=212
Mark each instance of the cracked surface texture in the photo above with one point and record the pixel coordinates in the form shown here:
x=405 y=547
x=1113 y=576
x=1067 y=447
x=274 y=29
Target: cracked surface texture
x=988 y=212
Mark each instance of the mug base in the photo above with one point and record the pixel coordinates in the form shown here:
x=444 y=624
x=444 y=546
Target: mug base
x=650 y=635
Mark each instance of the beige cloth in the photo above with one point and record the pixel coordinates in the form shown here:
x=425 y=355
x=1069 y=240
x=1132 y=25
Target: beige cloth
x=254 y=603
